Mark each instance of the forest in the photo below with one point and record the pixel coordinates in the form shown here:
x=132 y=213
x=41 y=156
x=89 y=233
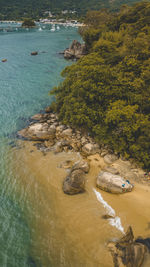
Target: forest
x=107 y=92
x=20 y=9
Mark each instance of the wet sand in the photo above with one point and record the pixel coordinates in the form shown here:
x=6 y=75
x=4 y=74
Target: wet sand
x=69 y=230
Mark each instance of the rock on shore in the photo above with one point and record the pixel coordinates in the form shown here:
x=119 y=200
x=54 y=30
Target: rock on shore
x=52 y=135
x=127 y=251
x=75 y=181
x=113 y=183
x=76 y=50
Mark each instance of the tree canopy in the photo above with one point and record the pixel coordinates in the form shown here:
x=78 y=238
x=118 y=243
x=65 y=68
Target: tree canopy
x=28 y=23
x=107 y=92
x=18 y=9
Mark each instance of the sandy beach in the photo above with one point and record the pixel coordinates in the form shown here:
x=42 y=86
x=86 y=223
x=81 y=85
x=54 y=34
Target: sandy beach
x=69 y=230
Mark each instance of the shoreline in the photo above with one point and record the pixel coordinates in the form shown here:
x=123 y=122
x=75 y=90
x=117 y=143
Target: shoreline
x=67 y=23
x=64 y=138
x=52 y=151
x=78 y=219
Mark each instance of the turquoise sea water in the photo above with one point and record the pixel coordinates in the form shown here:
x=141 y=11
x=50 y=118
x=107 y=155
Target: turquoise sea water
x=25 y=81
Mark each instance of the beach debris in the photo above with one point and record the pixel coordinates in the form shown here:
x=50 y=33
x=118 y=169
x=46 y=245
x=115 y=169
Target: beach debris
x=107 y=216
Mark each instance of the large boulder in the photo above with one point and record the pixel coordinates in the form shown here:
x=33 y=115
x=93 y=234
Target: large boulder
x=38 y=131
x=74 y=182
x=90 y=149
x=127 y=252
x=113 y=183
x=76 y=50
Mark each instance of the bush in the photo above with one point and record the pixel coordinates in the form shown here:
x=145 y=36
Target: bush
x=28 y=23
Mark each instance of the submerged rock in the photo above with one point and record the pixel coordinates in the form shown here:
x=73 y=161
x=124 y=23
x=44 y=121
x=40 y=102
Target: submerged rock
x=74 y=182
x=127 y=252
x=113 y=183
x=34 y=53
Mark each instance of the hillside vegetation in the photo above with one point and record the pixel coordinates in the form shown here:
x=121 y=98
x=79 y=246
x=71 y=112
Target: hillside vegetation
x=18 y=9
x=107 y=92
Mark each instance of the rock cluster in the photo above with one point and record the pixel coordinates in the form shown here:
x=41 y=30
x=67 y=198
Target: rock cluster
x=75 y=51
x=52 y=135
x=127 y=251
x=46 y=128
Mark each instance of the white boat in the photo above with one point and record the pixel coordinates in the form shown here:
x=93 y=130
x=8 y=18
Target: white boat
x=53 y=28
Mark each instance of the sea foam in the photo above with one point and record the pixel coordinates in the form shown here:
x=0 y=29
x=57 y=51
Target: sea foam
x=116 y=221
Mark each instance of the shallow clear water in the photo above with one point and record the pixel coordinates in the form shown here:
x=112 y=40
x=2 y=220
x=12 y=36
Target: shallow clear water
x=25 y=81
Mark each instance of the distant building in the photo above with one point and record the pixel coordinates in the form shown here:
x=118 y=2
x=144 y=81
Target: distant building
x=68 y=11
x=48 y=13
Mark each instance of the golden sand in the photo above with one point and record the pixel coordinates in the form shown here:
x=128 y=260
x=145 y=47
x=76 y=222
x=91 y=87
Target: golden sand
x=68 y=230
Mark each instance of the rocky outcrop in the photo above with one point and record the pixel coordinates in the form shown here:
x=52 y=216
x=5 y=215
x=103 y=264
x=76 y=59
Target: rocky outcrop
x=76 y=50
x=74 y=182
x=57 y=137
x=127 y=252
x=113 y=183
x=38 y=132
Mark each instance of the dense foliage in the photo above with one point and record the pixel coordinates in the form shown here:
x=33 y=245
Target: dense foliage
x=28 y=23
x=107 y=92
x=18 y=9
